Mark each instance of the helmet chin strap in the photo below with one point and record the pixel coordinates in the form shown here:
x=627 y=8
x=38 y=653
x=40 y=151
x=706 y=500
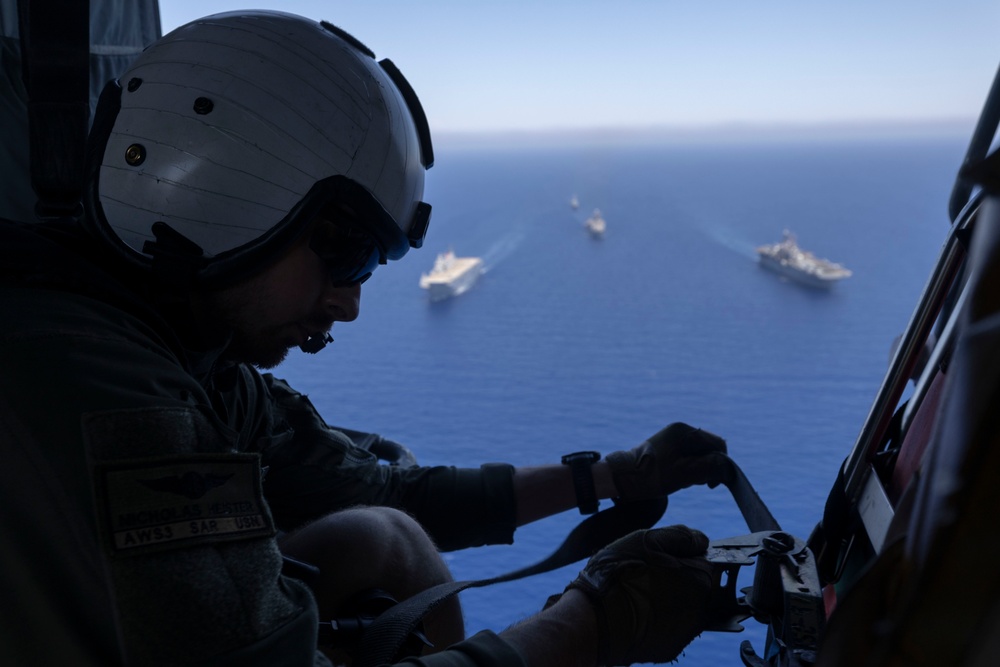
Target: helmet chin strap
x=316 y=343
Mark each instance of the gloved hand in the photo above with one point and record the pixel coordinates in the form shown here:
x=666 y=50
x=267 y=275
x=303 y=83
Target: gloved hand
x=675 y=458
x=651 y=592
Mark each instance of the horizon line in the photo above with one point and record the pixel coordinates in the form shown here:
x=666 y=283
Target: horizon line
x=728 y=130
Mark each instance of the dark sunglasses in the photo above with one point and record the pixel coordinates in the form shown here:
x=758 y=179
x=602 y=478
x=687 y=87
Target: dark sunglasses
x=350 y=255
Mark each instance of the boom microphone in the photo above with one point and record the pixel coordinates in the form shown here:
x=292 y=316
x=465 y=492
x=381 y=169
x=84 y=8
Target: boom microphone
x=315 y=343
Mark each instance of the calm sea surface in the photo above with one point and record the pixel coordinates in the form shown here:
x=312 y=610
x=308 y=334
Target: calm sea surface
x=570 y=343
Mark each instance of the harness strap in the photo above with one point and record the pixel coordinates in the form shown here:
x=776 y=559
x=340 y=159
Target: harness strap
x=55 y=59
x=381 y=641
x=753 y=509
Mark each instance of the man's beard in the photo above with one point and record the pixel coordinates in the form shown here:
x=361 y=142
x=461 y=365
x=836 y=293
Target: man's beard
x=259 y=351
x=241 y=312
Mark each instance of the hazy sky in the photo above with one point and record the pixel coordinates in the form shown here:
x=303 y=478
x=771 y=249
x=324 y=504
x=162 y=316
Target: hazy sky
x=543 y=64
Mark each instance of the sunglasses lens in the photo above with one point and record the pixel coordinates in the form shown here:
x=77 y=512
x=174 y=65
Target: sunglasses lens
x=362 y=270
x=350 y=256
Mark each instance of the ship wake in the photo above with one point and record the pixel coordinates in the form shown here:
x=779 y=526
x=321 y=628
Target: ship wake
x=502 y=249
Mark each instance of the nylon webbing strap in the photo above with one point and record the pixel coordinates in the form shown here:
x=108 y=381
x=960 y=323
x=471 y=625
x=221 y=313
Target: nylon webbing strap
x=382 y=640
x=753 y=509
x=55 y=61
x=384 y=637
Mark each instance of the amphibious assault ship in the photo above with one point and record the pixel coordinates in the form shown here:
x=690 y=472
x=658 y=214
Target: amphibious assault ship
x=451 y=275
x=789 y=260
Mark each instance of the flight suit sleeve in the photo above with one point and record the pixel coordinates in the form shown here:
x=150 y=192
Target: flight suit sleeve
x=321 y=470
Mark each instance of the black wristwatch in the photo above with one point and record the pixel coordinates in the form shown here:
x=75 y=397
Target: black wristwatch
x=583 y=479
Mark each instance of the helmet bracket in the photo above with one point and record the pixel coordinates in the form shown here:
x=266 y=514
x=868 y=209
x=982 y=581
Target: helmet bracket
x=418 y=229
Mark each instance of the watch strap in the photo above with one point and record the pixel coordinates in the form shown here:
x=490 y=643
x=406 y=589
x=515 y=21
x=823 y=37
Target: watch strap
x=583 y=479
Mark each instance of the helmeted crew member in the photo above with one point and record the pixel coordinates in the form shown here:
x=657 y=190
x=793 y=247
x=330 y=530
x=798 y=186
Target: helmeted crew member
x=249 y=171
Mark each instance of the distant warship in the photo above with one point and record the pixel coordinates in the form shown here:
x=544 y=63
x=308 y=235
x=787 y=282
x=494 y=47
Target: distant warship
x=799 y=265
x=451 y=275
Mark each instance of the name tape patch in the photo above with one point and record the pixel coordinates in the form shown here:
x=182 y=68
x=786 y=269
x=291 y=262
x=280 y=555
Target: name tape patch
x=179 y=502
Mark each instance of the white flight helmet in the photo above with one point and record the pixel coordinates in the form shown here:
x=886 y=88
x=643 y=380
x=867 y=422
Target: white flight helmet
x=232 y=132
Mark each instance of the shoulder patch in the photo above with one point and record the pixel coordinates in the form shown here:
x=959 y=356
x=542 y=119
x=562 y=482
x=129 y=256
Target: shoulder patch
x=180 y=501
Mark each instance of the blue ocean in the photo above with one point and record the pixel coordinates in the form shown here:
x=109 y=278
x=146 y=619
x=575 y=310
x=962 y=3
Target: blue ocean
x=569 y=342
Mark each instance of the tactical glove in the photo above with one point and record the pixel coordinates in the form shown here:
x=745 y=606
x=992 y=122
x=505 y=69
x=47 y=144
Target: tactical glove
x=651 y=592
x=675 y=458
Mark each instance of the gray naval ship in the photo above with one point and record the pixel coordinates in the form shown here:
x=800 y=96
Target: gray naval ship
x=788 y=259
x=596 y=224
x=451 y=275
